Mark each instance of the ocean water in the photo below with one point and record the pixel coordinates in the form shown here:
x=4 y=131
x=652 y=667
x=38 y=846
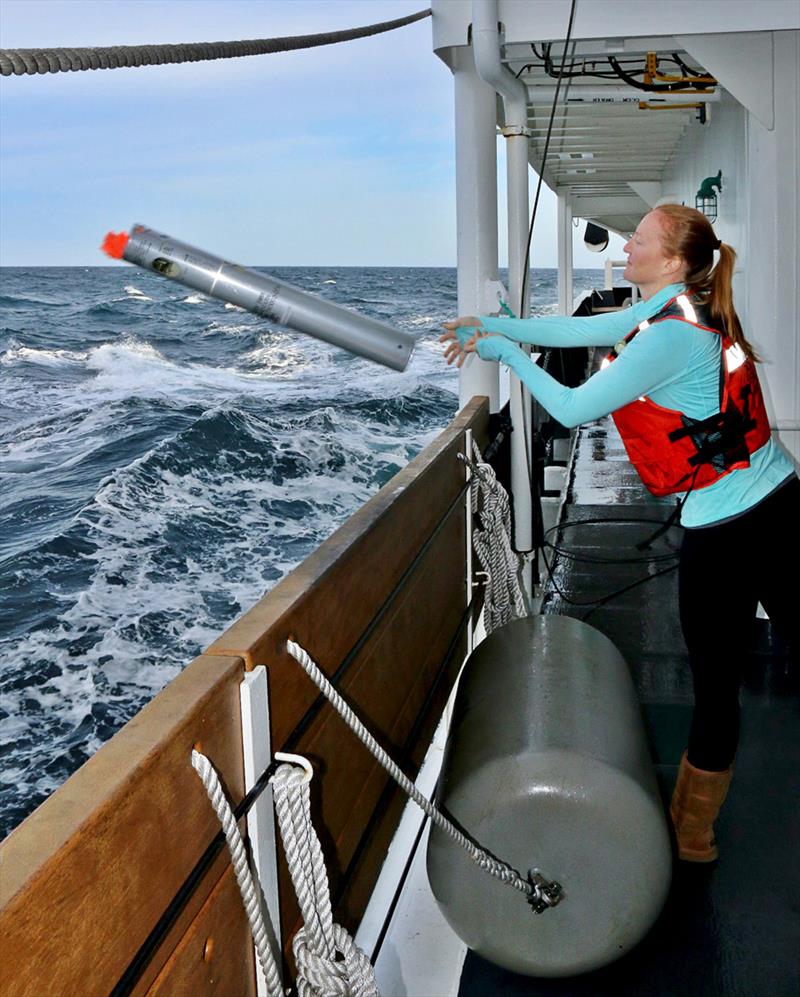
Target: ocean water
x=164 y=461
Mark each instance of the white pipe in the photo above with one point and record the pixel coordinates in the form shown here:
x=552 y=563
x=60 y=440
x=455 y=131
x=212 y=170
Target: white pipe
x=565 y=292
x=486 y=46
x=540 y=94
x=476 y=214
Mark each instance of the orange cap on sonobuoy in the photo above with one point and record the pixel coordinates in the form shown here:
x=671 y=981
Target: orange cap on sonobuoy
x=114 y=244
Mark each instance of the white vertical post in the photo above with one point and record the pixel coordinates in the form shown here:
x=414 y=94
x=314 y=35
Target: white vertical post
x=261 y=818
x=476 y=213
x=520 y=399
x=468 y=531
x=565 y=291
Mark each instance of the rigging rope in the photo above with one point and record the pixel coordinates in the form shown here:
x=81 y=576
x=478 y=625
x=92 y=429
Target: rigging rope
x=328 y=961
x=241 y=868
x=504 y=597
x=540 y=893
x=30 y=61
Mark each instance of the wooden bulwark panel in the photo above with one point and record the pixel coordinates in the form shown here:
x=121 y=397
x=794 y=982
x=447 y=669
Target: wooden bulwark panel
x=86 y=878
x=389 y=686
x=215 y=955
x=327 y=604
x=88 y=874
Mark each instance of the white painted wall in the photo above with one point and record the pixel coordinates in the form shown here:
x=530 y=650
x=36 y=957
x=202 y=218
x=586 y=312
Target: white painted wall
x=773 y=206
x=758 y=211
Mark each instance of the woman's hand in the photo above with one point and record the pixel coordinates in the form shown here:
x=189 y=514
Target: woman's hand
x=459 y=342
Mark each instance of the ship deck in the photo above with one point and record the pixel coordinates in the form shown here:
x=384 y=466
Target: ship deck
x=731 y=928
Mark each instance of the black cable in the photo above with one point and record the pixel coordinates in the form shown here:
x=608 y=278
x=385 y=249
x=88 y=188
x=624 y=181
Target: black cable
x=595 y=604
x=633 y=585
x=526 y=265
x=570 y=555
x=149 y=947
x=391 y=786
x=657 y=87
x=663 y=526
x=687 y=69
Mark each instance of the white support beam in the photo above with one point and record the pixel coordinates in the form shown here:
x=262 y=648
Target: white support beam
x=565 y=291
x=254 y=702
x=476 y=214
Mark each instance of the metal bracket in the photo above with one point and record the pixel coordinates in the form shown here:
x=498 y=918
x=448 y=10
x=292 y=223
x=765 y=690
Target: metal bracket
x=546 y=893
x=511 y=130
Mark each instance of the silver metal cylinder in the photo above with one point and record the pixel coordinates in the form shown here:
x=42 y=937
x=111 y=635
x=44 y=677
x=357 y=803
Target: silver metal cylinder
x=547 y=767
x=267 y=296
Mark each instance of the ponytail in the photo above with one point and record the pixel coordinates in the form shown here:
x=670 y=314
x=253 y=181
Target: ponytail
x=688 y=234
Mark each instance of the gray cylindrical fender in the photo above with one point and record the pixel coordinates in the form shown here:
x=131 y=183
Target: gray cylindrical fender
x=267 y=296
x=547 y=766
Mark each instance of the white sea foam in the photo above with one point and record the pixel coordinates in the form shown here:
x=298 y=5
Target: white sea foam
x=234 y=308
x=135 y=293
x=50 y=358
x=195 y=299
x=329 y=282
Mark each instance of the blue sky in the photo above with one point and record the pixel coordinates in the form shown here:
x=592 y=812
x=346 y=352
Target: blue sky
x=337 y=155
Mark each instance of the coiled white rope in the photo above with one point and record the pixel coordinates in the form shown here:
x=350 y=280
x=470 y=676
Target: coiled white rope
x=504 y=600
x=328 y=960
x=241 y=867
x=541 y=893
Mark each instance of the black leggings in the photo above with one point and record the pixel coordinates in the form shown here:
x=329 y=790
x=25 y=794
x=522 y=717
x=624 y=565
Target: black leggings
x=725 y=571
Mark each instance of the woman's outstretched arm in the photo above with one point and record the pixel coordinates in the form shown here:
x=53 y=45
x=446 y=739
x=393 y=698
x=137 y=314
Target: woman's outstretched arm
x=651 y=360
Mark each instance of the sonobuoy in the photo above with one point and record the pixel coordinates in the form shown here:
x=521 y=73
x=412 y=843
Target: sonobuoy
x=547 y=767
x=261 y=294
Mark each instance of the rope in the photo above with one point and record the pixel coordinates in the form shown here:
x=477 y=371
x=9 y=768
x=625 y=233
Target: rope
x=241 y=867
x=504 y=598
x=30 y=61
x=541 y=894
x=328 y=960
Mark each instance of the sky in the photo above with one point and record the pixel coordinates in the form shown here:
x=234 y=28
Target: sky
x=341 y=155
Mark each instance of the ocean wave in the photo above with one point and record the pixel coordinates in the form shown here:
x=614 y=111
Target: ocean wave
x=169 y=550
x=133 y=293
x=165 y=471
x=50 y=358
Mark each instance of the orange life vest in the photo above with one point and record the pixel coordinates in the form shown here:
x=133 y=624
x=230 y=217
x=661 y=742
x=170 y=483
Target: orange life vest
x=671 y=451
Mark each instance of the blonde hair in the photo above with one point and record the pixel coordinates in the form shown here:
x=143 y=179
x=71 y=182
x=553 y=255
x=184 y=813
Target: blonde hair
x=688 y=234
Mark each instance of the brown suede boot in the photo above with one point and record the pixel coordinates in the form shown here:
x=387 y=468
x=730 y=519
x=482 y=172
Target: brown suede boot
x=695 y=805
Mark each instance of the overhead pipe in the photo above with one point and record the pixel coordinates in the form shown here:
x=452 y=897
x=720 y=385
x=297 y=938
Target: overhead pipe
x=488 y=65
x=616 y=94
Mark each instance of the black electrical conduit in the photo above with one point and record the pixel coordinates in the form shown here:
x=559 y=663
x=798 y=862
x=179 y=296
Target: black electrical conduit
x=30 y=61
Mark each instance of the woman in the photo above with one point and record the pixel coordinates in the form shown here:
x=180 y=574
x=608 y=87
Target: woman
x=682 y=386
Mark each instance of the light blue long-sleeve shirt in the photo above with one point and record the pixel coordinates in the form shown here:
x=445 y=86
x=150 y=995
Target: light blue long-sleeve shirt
x=673 y=363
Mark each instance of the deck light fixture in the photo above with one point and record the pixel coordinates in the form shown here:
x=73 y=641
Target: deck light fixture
x=706 y=197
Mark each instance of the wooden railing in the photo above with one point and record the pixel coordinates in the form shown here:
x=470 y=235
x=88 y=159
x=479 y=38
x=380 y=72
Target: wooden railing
x=381 y=605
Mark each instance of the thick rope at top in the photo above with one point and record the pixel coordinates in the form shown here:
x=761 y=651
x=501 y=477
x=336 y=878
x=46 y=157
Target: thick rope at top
x=30 y=61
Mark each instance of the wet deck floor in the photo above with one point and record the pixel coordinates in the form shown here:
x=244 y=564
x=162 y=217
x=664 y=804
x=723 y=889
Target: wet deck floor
x=732 y=928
